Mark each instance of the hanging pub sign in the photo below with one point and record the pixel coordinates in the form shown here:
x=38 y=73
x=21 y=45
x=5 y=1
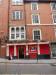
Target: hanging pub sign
x=33 y=49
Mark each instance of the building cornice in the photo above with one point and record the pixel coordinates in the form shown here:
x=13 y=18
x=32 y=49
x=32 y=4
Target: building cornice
x=41 y=24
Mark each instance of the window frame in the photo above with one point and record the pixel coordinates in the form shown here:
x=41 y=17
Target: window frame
x=40 y=34
x=38 y=19
x=52 y=7
x=19 y=38
x=15 y=15
x=36 y=4
x=53 y=18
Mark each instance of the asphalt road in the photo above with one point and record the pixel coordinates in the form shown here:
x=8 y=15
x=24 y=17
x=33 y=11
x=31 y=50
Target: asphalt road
x=6 y=68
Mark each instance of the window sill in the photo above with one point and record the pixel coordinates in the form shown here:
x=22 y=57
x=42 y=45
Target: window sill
x=17 y=4
x=54 y=23
x=17 y=20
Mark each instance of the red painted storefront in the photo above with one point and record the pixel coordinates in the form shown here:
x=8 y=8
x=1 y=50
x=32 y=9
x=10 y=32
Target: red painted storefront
x=44 y=49
x=11 y=50
x=32 y=50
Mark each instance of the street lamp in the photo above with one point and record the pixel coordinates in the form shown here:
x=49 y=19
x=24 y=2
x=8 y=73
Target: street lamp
x=38 y=49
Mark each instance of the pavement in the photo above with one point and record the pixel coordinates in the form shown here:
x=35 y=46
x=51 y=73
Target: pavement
x=28 y=74
x=29 y=61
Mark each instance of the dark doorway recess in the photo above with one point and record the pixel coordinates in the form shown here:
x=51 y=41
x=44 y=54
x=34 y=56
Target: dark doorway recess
x=21 y=53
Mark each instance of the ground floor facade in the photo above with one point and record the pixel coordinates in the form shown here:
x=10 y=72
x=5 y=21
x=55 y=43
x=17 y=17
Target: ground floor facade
x=32 y=50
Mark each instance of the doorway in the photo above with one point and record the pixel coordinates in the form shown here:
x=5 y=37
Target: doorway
x=21 y=53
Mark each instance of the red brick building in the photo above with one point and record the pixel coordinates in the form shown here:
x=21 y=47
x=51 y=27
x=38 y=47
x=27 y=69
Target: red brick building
x=29 y=29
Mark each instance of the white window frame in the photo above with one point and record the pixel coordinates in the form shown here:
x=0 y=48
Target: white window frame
x=31 y=5
x=15 y=33
x=19 y=12
x=17 y=3
x=38 y=19
x=53 y=18
x=52 y=7
x=40 y=34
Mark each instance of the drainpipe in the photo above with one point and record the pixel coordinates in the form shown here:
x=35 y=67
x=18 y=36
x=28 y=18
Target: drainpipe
x=8 y=24
x=25 y=21
x=25 y=26
x=8 y=17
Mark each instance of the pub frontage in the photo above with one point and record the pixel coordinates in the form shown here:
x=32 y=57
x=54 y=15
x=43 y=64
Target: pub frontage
x=32 y=50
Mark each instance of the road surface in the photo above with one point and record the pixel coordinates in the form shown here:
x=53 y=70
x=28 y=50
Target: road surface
x=7 y=68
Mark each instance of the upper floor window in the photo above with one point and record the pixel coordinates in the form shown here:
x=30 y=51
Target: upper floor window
x=17 y=2
x=53 y=5
x=35 y=19
x=34 y=6
x=36 y=35
x=17 y=33
x=17 y=15
x=54 y=18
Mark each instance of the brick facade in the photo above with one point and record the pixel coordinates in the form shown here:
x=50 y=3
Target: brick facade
x=46 y=22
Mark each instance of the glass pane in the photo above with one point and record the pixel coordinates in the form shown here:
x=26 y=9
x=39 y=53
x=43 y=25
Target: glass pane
x=34 y=6
x=36 y=32
x=13 y=15
x=36 y=37
x=21 y=15
x=54 y=20
x=54 y=17
x=17 y=29
x=12 y=30
x=17 y=35
x=22 y=29
x=54 y=53
x=53 y=47
x=12 y=36
x=17 y=15
x=54 y=6
x=35 y=19
x=22 y=35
